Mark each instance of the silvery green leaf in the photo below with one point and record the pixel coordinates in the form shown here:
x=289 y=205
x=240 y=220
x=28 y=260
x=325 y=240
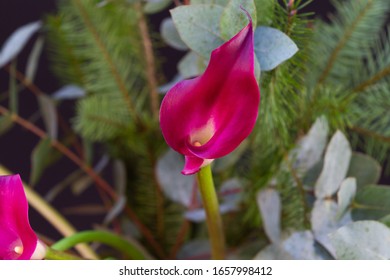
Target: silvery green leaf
x=272 y=47
x=175 y=186
x=231 y=191
x=229 y=160
x=310 y=148
x=268 y=201
x=365 y=169
x=345 y=195
x=120 y=179
x=42 y=156
x=198 y=26
x=155 y=6
x=33 y=59
x=165 y=88
x=336 y=163
x=363 y=240
x=120 y=176
x=5 y=123
x=194 y=249
x=234 y=18
x=191 y=65
x=49 y=115
x=115 y=210
x=298 y=246
x=171 y=36
x=15 y=43
x=69 y=92
x=222 y=3
x=371 y=203
x=84 y=182
x=301 y=246
x=273 y=252
x=199 y=215
x=324 y=220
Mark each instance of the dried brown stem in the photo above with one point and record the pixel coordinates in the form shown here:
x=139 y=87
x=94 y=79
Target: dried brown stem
x=150 y=62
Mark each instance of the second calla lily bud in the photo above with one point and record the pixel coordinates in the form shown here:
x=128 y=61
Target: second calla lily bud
x=209 y=116
x=17 y=239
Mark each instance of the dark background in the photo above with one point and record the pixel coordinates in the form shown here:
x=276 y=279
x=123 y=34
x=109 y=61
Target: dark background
x=16 y=145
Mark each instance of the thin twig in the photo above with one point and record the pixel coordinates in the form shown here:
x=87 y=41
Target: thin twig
x=374 y=79
x=150 y=63
x=371 y=134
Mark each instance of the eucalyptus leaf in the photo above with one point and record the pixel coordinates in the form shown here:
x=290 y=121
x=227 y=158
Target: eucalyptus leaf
x=310 y=148
x=33 y=59
x=324 y=220
x=15 y=43
x=171 y=36
x=195 y=249
x=165 y=88
x=231 y=159
x=345 y=195
x=6 y=123
x=155 y=6
x=298 y=246
x=365 y=169
x=371 y=203
x=222 y=3
x=234 y=18
x=69 y=92
x=120 y=180
x=273 y=252
x=199 y=215
x=363 y=240
x=191 y=65
x=272 y=47
x=49 y=115
x=175 y=186
x=268 y=201
x=336 y=163
x=42 y=156
x=231 y=191
x=84 y=182
x=198 y=26
x=301 y=246
x=115 y=210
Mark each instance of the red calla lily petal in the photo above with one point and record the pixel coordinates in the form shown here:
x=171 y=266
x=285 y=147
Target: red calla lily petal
x=209 y=116
x=17 y=239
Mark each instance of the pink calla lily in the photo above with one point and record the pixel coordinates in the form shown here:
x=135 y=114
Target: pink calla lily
x=209 y=116
x=17 y=239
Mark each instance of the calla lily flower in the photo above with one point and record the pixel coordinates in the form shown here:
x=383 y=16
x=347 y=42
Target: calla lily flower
x=17 y=239
x=209 y=116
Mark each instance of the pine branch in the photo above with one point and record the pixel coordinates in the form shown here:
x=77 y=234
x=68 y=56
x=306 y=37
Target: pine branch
x=114 y=71
x=338 y=47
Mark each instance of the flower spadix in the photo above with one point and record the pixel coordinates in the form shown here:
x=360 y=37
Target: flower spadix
x=17 y=239
x=209 y=116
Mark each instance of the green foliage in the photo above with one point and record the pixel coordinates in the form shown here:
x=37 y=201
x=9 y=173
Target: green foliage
x=339 y=45
x=99 y=49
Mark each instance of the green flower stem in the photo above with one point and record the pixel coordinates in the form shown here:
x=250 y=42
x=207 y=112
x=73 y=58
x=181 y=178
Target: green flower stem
x=52 y=254
x=213 y=217
x=130 y=249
